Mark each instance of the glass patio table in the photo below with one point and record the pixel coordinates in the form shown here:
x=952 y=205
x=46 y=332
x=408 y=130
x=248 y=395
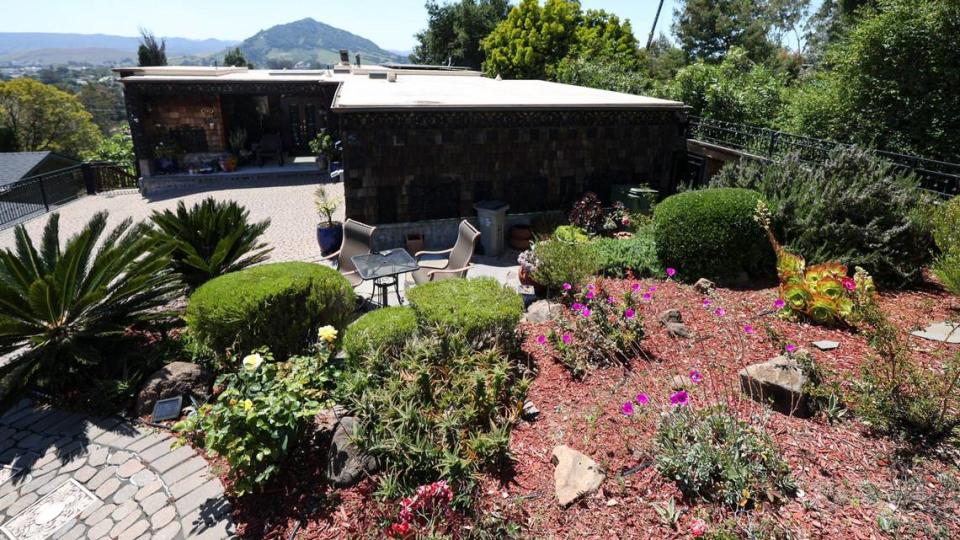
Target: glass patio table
x=384 y=269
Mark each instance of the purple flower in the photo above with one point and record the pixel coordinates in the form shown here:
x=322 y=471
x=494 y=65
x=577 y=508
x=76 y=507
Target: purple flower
x=611 y=300
x=635 y=287
x=585 y=311
x=576 y=306
x=591 y=286
x=779 y=303
x=719 y=312
x=542 y=339
x=707 y=302
x=791 y=348
x=566 y=338
x=748 y=329
x=652 y=288
x=695 y=376
x=589 y=294
x=630 y=313
x=671 y=272
x=647 y=296
x=679 y=399
x=567 y=286
x=627 y=408
x=643 y=399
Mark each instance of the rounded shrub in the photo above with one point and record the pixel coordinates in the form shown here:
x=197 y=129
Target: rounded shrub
x=485 y=311
x=711 y=233
x=279 y=306
x=384 y=329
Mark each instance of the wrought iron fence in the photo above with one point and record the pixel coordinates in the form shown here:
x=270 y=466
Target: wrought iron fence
x=39 y=194
x=937 y=176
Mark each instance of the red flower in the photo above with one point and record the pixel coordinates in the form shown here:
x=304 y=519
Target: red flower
x=399 y=530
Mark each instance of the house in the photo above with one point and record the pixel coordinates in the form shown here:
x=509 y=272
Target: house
x=418 y=142
x=17 y=166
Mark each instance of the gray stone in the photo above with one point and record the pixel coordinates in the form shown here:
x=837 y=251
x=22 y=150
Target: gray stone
x=100 y=529
x=101 y=477
x=172 y=459
x=188 y=484
x=944 y=332
x=170 y=532
x=125 y=523
x=123 y=510
x=154 y=502
x=213 y=523
x=100 y=512
x=98 y=456
x=826 y=345
x=157 y=451
x=174 y=379
x=53 y=484
x=680 y=382
x=74 y=464
x=530 y=411
x=210 y=494
x=119 y=457
x=181 y=471
x=129 y=468
x=135 y=531
x=146 y=442
x=108 y=488
x=162 y=517
x=74 y=533
x=325 y=423
x=703 y=286
x=85 y=473
x=21 y=503
x=125 y=493
x=142 y=478
x=8 y=499
x=673 y=321
x=148 y=490
x=574 y=475
x=345 y=463
x=542 y=311
x=778 y=382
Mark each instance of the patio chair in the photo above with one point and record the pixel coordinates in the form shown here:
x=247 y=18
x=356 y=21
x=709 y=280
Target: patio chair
x=458 y=262
x=271 y=146
x=357 y=239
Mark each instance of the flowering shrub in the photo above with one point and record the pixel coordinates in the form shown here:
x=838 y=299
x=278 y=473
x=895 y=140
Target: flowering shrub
x=561 y=262
x=600 y=328
x=264 y=409
x=420 y=513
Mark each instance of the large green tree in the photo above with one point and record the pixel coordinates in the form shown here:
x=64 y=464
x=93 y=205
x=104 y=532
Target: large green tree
x=454 y=31
x=43 y=117
x=235 y=57
x=707 y=29
x=151 y=52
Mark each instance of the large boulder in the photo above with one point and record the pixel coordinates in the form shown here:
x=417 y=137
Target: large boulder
x=673 y=321
x=347 y=464
x=779 y=383
x=575 y=474
x=174 y=379
x=542 y=311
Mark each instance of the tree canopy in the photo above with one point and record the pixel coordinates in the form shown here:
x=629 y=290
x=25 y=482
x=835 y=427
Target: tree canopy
x=42 y=117
x=454 y=32
x=707 y=29
x=235 y=57
x=151 y=52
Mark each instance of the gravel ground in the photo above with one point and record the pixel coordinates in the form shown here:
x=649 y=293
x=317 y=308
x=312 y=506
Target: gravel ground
x=292 y=231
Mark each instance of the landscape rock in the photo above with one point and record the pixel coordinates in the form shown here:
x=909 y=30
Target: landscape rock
x=574 y=475
x=174 y=379
x=673 y=321
x=325 y=424
x=779 y=383
x=542 y=311
x=703 y=286
x=346 y=464
x=943 y=332
x=680 y=382
x=826 y=345
x=530 y=411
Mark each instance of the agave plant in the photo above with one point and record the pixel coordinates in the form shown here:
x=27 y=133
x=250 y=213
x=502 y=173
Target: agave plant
x=60 y=306
x=210 y=239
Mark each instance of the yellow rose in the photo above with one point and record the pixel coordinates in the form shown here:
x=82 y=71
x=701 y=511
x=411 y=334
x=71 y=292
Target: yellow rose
x=327 y=333
x=252 y=361
x=247 y=404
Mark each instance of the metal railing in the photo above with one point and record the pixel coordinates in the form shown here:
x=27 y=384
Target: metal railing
x=940 y=177
x=38 y=194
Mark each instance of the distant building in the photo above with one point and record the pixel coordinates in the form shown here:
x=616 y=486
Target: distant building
x=417 y=143
x=16 y=166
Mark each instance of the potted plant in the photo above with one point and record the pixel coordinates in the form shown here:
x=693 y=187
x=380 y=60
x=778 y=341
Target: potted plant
x=164 y=154
x=528 y=265
x=237 y=141
x=329 y=232
x=322 y=146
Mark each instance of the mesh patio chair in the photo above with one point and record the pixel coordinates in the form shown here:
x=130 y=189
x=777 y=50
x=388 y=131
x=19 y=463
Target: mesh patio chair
x=357 y=238
x=458 y=262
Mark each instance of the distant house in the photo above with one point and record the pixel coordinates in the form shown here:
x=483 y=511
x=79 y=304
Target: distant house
x=16 y=166
x=417 y=142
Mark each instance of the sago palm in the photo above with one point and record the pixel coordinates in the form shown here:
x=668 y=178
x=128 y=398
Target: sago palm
x=210 y=239
x=60 y=306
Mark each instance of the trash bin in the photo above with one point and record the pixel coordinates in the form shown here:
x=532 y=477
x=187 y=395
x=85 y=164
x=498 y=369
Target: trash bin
x=641 y=199
x=492 y=217
x=620 y=193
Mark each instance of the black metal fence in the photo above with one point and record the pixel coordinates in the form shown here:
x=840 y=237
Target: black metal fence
x=937 y=176
x=38 y=194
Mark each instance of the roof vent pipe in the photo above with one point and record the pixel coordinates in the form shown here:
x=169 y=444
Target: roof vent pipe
x=392 y=76
x=344 y=57
x=358 y=59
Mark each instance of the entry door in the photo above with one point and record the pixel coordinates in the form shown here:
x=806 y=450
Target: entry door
x=304 y=119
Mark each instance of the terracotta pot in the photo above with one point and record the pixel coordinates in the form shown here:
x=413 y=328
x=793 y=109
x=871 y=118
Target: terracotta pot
x=525 y=278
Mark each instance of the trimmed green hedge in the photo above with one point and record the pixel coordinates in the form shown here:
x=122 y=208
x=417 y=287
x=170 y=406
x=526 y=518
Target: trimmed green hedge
x=482 y=309
x=382 y=329
x=711 y=233
x=637 y=255
x=278 y=305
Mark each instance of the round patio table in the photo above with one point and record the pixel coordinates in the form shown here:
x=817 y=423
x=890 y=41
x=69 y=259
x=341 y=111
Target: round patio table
x=384 y=269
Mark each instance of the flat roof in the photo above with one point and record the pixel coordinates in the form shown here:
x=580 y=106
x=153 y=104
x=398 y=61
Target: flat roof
x=375 y=87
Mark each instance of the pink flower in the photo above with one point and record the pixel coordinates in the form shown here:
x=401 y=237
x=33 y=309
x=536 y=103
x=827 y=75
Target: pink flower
x=671 y=272
x=695 y=376
x=566 y=338
x=680 y=398
x=611 y=300
x=542 y=339
x=630 y=313
x=635 y=287
x=567 y=286
x=627 y=408
x=779 y=303
x=643 y=399
x=849 y=284
x=698 y=528
x=585 y=311
x=748 y=329
x=625 y=221
x=791 y=348
x=647 y=296
x=652 y=288
x=576 y=306
x=589 y=294
x=719 y=312
x=707 y=302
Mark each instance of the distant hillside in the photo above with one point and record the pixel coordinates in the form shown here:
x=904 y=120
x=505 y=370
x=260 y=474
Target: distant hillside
x=312 y=42
x=52 y=48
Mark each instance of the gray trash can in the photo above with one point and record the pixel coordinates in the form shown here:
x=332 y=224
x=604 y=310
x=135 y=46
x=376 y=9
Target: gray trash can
x=492 y=219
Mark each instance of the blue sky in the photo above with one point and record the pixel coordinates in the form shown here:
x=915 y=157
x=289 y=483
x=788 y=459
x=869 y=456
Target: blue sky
x=389 y=23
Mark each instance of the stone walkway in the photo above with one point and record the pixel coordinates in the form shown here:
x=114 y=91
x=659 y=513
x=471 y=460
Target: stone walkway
x=68 y=476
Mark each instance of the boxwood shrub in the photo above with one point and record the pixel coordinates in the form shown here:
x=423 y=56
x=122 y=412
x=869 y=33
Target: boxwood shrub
x=482 y=309
x=383 y=329
x=278 y=305
x=637 y=255
x=711 y=233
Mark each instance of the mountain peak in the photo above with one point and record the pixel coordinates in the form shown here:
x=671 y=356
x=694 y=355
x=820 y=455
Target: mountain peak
x=309 y=42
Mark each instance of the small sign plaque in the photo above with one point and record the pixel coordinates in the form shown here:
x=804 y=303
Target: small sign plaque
x=167 y=409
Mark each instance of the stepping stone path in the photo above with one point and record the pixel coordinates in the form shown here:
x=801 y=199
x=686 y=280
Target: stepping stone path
x=64 y=475
x=826 y=345
x=943 y=332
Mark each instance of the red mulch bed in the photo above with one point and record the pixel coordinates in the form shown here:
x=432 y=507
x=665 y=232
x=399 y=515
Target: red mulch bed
x=850 y=480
